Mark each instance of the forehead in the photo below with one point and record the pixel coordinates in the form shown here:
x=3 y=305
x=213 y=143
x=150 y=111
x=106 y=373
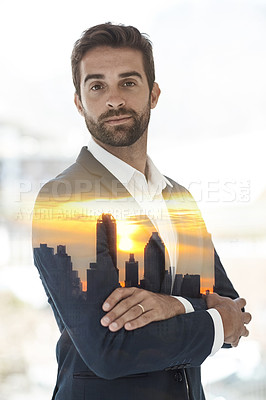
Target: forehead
x=108 y=60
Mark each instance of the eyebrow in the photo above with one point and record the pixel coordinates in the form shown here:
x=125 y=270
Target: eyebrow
x=123 y=75
x=131 y=73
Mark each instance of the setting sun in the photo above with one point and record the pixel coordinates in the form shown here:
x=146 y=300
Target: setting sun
x=124 y=230
x=125 y=244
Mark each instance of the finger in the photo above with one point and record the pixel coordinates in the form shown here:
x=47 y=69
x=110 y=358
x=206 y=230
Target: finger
x=124 y=306
x=235 y=344
x=245 y=332
x=116 y=296
x=130 y=316
x=212 y=299
x=241 y=302
x=141 y=321
x=247 y=317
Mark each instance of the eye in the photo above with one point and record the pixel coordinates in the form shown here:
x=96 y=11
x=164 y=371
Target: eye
x=96 y=87
x=129 y=84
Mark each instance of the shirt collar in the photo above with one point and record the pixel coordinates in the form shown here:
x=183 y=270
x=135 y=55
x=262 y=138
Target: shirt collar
x=125 y=172
x=121 y=170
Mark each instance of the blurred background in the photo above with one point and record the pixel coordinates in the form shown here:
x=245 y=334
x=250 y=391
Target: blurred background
x=207 y=133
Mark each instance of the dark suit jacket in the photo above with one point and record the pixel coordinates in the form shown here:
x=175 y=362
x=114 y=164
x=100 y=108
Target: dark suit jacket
x=159 y=361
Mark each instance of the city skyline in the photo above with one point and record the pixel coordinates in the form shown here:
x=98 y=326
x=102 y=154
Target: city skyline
x=72 y=221
x=155 y=276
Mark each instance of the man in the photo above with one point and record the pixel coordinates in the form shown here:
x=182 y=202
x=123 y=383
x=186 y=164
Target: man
x=148 y=339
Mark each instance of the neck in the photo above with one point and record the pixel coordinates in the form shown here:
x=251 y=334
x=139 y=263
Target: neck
x=134 y=155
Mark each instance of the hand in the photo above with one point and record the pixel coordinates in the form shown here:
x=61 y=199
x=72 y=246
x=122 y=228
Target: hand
x=234 y=319
x=133 y=308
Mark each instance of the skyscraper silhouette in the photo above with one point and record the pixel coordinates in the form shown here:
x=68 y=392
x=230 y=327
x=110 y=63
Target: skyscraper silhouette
x=45 y=253
x=190 y=286
x=132 y=272
x=66 y=280
x=154 y=263
x=103 y=273
x=167 y=283
x=106 y=233
x=177 y=284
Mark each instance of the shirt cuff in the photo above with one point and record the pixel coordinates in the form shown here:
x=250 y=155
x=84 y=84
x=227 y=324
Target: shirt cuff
x=218 y=330
x=188 y=306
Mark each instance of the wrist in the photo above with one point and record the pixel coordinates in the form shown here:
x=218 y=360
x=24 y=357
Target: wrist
x=225 y=320
x=188 y=307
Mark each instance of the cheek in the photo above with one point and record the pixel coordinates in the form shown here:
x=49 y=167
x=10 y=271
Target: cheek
x=92 y=110
x=139 y=104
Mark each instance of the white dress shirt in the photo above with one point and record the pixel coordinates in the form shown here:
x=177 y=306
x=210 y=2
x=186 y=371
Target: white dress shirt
x=148 y=194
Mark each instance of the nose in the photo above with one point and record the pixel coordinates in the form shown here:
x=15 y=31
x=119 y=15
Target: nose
x=115 y=100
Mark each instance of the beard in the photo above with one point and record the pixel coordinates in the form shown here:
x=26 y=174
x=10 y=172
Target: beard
x=123 y=135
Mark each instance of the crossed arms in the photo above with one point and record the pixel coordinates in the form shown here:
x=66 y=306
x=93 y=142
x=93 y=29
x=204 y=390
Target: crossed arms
x=123 y=311
x=165 y=337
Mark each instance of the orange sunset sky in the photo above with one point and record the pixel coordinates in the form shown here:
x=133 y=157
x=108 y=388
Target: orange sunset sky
x=73 y=224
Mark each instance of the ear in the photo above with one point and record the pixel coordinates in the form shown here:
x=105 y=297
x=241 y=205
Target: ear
x=78 y=104
x=155 y=94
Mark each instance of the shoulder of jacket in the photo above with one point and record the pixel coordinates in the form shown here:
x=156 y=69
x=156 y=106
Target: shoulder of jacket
x=179 y=187
x=66 y=184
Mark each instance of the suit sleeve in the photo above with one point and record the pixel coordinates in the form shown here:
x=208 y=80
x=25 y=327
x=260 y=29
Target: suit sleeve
x=223 y=286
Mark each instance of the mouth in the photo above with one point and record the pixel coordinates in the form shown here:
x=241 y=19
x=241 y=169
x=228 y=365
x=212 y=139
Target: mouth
x=118 y=120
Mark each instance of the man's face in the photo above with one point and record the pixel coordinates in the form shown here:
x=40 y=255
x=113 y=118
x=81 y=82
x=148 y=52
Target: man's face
x=115 y=99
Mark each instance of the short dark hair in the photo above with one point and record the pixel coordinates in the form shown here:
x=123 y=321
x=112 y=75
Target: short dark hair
x=115 y=36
